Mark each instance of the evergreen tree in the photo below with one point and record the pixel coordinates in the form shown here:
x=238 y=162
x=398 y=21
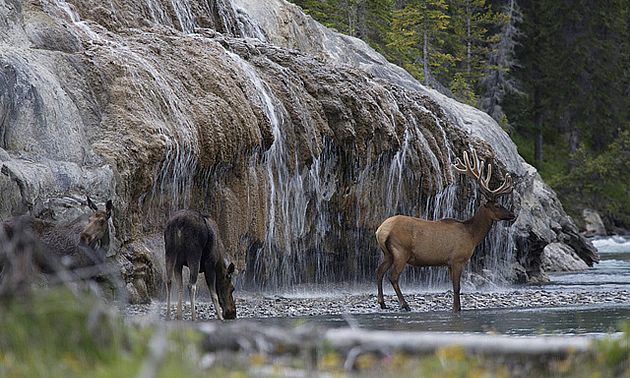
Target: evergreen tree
x=498 y=80
x=418 y=31
x=574 y=61
x=471 y=21
x=376 y=23
x=368 y=20
x=538 y=57
x=596 y=38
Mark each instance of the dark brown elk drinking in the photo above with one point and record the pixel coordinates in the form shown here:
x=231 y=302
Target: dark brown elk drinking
x=446 y=242
x=191 y=239
x=78 y=244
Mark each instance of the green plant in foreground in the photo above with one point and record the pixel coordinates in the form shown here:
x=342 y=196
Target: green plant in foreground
x=57 y=333
x=613 y=353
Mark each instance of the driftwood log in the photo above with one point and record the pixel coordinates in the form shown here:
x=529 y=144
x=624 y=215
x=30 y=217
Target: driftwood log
x=227 y=340
x=428 y=342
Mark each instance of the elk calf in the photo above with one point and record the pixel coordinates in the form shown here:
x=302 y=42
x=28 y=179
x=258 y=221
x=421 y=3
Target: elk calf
x=191 y=239
x=80 y=243
x=446 y=242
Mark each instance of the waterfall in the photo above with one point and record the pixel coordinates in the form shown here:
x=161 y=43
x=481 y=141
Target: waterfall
x=320 y=211
x=158 y=15
x=174 y=178
x=184 y=15
x=65 y=12
x=293 y=191
x=172 y=187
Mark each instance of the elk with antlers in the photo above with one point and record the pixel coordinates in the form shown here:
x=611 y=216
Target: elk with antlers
x=446 y=242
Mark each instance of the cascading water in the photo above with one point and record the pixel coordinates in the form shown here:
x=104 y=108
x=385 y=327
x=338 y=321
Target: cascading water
x=184 y=15
x=295 y=194
x=174 y=178
x=158 y=14
x=320 y=215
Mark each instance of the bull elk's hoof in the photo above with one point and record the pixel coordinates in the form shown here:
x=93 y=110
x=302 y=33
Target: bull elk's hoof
x=406 y=307
x=383 y=306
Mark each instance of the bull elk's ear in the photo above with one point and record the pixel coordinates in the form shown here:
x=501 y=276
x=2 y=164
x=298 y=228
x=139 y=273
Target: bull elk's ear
x=109 y=207
x=485 y=198
x=230 y=268
x=91 y=204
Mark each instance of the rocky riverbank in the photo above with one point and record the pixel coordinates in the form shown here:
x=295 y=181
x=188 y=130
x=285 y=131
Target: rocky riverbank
x=256 y=306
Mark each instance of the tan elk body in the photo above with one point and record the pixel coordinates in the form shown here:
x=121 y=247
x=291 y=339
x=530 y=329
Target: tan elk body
x=446 y=242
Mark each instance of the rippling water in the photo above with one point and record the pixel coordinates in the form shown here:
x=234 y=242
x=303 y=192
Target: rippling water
x=611 y=274
x=516 y=322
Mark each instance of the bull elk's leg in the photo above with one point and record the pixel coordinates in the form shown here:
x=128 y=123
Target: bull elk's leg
x=394 y=275
x=380 y=272
x=456 y=274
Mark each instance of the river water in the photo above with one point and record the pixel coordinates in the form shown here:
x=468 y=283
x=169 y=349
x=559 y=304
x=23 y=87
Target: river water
x=611 y=275
x=592 y=302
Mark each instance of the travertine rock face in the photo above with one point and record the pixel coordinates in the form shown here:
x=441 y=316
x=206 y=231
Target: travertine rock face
x=299 y=147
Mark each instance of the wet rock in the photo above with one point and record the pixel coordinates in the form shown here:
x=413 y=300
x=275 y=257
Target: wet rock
x=593 y=223
x=255 y=307
x=288 y=141
x=558 y=257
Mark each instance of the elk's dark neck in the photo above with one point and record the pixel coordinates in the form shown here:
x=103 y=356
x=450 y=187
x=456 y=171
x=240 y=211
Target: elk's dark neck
x=480 y=224
x=219 y=268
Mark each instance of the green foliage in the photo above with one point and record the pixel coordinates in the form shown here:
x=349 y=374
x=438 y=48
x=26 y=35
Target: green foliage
x=600 y=181
x=443 y=43
x=471 y=21
x=417 y=37
x=613 y=353
x=560 y=70
x=462 y=90
x=57 y=333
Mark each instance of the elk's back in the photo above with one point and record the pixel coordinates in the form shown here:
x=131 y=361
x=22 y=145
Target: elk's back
x=422 y=242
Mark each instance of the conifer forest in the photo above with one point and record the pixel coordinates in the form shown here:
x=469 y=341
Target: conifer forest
x=554 y=74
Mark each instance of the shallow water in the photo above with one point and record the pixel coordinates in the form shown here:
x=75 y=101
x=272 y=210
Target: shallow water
x=583 y=320
x=611 y=274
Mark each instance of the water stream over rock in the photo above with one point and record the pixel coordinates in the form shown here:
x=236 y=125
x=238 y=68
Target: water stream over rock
x=298 y=149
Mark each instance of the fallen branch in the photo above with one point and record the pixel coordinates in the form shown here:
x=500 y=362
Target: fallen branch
x=257 y=338
x=426 y=342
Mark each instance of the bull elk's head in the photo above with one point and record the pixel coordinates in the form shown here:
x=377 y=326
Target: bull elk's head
x=474 y=169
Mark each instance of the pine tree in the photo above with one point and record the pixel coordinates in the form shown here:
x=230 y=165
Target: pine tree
x=498 y=80
x=418 y=31
x=376 y=23
x=471 y=21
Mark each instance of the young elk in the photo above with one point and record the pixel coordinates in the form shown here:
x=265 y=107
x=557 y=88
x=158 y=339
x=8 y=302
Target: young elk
x=446 y=242
x=80 y=243
x=96 y=233
x=191 y=239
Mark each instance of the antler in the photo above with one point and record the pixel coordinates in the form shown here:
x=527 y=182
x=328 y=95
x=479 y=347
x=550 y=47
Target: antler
x=474 y=170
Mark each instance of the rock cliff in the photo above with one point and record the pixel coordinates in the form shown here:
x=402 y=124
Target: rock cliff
x=298 y=140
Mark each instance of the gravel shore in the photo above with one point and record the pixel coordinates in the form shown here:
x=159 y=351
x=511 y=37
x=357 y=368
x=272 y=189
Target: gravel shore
x=256 y=306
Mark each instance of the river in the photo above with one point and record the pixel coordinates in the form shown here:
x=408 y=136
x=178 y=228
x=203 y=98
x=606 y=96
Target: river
x=608 y=282
x=591 y=302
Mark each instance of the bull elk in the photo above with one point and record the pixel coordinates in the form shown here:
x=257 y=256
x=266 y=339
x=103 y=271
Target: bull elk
x=446 y=242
